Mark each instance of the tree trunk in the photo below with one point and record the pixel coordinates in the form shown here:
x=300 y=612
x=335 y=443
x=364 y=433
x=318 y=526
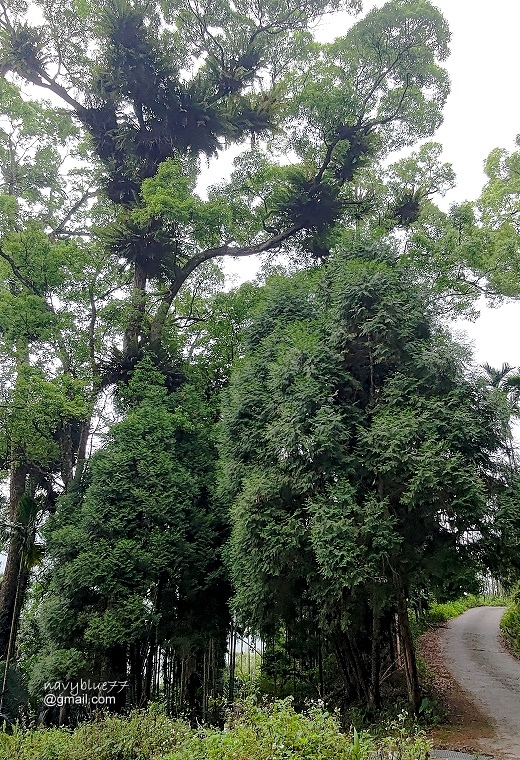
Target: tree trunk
x=153 y=641
x=150 y=659
x=135 y=322
x=359 y=670
x=232 y=660
x=12 y=590
x=320 y=666
x=410 y=664
x=81 y=457
x=157 y=325
x=375 y=665
x=117 y=671
x=348 y=680
x=67 y=454
x=136 y=674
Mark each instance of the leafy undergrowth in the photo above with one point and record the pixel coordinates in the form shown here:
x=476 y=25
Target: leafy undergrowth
x=510 y=625
x=252 y=732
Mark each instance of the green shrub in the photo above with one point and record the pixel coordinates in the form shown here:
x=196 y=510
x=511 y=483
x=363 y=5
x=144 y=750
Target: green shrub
x=404 y=739
x=510 y=626
x=441 y=613
x=271 y=732
x=252 y=732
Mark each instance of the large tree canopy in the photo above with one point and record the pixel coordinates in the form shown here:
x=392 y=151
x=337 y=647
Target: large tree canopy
x=136 y=554
x=361 y=459
x=165 y=85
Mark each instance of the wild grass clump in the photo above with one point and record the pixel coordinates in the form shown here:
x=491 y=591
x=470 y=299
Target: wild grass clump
x=252 y=732
x=143 y=735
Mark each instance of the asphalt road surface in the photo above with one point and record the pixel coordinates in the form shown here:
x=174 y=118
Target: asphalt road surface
x=490 y=676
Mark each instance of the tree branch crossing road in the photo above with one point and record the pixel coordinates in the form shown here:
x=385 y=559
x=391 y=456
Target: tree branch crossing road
x=491 y=676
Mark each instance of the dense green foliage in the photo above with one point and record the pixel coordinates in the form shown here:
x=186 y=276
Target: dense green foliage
x=510 y=625
x=136 y=554
x=360 y=459
x=229 y=74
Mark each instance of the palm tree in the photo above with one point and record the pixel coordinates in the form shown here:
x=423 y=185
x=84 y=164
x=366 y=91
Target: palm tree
x=504 y=380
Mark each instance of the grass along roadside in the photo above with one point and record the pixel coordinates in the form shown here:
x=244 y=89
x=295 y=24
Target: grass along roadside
x=253 y=731
x=510 y=624
x=441 y=613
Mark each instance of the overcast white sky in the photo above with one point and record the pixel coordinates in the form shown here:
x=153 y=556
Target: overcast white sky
x=482 y=112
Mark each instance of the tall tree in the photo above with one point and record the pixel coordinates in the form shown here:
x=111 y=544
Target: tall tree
x=473 y=249
x=498 y=210
x=360 y=460
x=136 y=556
x=40 y=407
x=159 y=87
x=49 y=325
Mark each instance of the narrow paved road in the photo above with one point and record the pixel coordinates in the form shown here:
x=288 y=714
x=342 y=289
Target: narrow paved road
x=490 y=675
